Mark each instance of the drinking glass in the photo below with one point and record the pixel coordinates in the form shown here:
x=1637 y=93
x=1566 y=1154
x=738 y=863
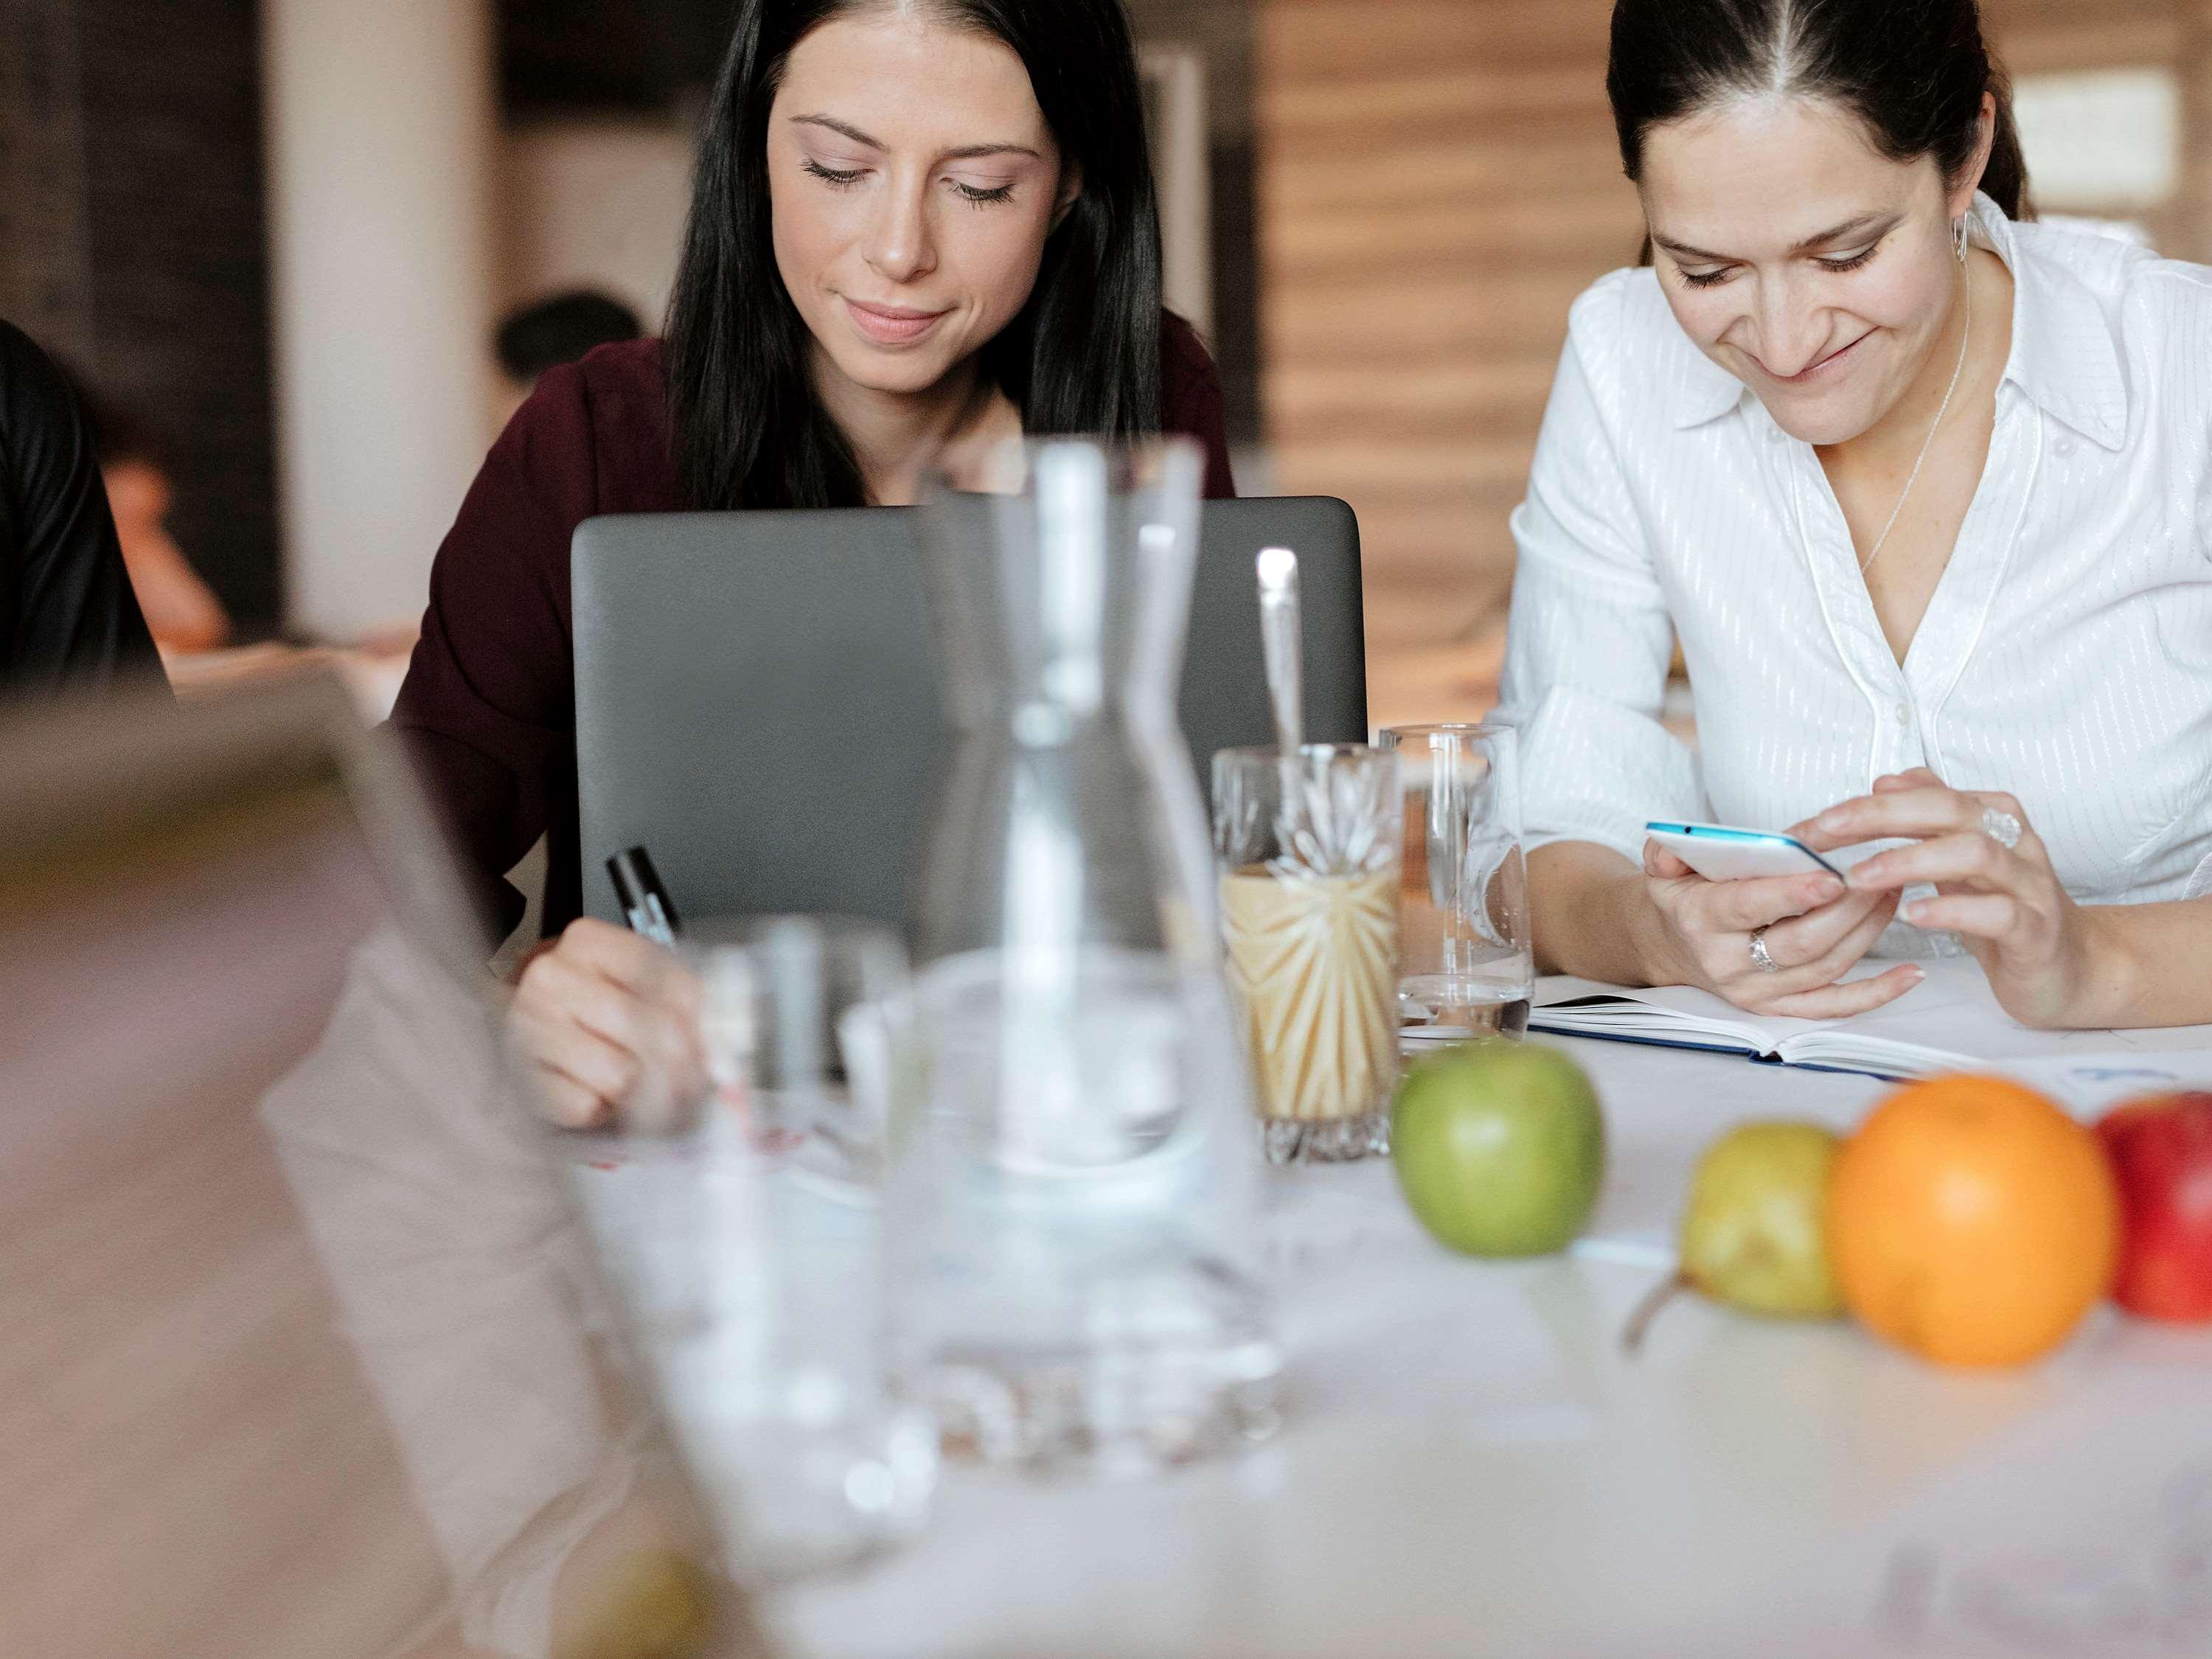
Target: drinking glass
x=1466 y=967
x=794 y=1010
x=761 y=1289
x=1306 y=847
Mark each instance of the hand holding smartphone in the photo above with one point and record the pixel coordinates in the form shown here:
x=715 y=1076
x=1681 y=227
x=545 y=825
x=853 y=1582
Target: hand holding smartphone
x=1719 y=853
x=1772 y=926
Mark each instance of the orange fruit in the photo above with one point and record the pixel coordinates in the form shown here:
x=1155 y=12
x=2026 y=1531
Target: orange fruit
x=1972 y=1221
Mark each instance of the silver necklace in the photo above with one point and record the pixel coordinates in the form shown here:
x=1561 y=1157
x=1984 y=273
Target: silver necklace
x=1883 y=540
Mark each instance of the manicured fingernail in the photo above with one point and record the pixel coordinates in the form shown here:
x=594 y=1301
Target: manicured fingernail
x=1913 y=912
x=1914 y=976
x=1826 y=889
x=1832 y=820
x=1868 y=874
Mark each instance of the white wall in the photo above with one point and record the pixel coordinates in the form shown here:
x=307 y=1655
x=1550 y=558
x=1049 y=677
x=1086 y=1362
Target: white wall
x=2100 y=141
x=382 y=143
x=596 y=205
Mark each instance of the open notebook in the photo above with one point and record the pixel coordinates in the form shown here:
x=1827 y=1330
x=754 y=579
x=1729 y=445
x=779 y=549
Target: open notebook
x=1949 y=1023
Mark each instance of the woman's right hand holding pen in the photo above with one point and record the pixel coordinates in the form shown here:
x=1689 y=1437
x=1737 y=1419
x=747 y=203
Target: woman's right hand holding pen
x=608 y=1025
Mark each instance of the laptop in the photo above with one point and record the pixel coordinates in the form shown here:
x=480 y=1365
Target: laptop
x=305 y=1354
x=757 y=699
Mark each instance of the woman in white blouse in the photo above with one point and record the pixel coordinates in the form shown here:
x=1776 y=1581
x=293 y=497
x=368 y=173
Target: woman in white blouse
x=1925 y=493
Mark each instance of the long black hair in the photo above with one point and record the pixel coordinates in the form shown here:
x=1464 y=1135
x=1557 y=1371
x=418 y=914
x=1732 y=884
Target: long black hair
x=1913 y=71
x=1082 y=356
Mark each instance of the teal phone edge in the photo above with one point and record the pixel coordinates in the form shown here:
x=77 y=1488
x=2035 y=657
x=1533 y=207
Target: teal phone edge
x=1724 y=833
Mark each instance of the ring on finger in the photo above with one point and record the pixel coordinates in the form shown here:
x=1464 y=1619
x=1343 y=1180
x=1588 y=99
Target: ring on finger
x=2001 y=828
x=1759 y=957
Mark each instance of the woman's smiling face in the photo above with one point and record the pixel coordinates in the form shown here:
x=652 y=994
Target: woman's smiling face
x=914 y=183
x=1814 y=269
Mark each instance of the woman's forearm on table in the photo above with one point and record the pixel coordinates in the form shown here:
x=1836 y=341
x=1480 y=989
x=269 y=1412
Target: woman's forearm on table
x=2147 y=964
x=1591 y=914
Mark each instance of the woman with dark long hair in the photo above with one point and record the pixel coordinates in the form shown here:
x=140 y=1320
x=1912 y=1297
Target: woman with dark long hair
x=914 y=225
x=1924 y=492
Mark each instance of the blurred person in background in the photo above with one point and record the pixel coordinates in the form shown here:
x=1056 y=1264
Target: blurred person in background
x=181 y=609
x=1926 y=493
x=552 y=333
x=914 y=224
x=67 y=618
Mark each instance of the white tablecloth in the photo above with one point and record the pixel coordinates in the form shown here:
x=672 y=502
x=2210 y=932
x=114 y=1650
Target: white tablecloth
x=1470 y=1466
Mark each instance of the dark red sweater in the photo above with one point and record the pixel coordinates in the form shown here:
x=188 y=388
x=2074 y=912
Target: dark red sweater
x=489 y=707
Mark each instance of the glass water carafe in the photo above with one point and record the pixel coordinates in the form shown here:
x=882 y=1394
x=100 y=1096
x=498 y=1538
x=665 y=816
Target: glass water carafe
x=1071 y=1201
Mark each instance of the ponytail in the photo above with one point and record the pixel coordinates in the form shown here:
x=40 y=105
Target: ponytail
x=2004 y=180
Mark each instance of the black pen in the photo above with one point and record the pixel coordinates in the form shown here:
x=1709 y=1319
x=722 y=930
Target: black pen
x=645 y=903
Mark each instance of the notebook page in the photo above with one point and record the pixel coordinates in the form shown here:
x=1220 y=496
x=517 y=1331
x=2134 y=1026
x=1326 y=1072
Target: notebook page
x=1951 y=1018
x=1679 y=1013
x=1954 y=1010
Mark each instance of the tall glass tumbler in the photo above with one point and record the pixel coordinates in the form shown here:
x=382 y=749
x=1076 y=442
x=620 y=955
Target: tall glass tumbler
x=794 y=1009
x=1468 y=966
x=756 y=1224
x=1306 y=847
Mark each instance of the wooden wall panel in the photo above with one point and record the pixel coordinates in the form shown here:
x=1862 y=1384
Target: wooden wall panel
x=2055 y=37
x=179 y=259
x=1439 y=179
x=2192 y=238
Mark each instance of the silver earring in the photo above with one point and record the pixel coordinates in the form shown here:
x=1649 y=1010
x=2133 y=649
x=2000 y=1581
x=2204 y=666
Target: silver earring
x=1963 y=235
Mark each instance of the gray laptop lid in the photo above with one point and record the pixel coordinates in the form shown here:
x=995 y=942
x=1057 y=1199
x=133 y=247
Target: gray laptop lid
x=756 y=695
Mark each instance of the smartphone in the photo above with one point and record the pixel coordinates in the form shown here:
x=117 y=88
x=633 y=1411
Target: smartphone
x=1720 y=853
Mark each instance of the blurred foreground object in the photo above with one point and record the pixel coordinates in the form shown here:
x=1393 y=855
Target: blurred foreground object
x=745 y=1235
x=307 y=1353
x=371 y=668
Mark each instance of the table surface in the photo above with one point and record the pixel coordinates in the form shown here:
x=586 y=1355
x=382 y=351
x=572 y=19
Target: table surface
x=1470 y=1466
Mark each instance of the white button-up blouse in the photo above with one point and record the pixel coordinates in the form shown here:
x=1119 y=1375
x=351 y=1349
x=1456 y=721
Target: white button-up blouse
x=2066 y=655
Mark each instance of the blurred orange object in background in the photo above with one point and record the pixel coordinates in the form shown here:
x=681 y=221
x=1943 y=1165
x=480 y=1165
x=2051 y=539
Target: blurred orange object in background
x=1973 y=1222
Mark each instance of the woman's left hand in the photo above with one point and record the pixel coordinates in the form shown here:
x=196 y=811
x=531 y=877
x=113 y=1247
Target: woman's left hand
x=2005 y=903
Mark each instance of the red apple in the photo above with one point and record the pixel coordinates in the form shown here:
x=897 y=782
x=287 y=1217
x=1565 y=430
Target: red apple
x=2160 y=1148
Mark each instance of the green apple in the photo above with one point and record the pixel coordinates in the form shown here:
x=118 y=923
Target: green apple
x=1499 y=1147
